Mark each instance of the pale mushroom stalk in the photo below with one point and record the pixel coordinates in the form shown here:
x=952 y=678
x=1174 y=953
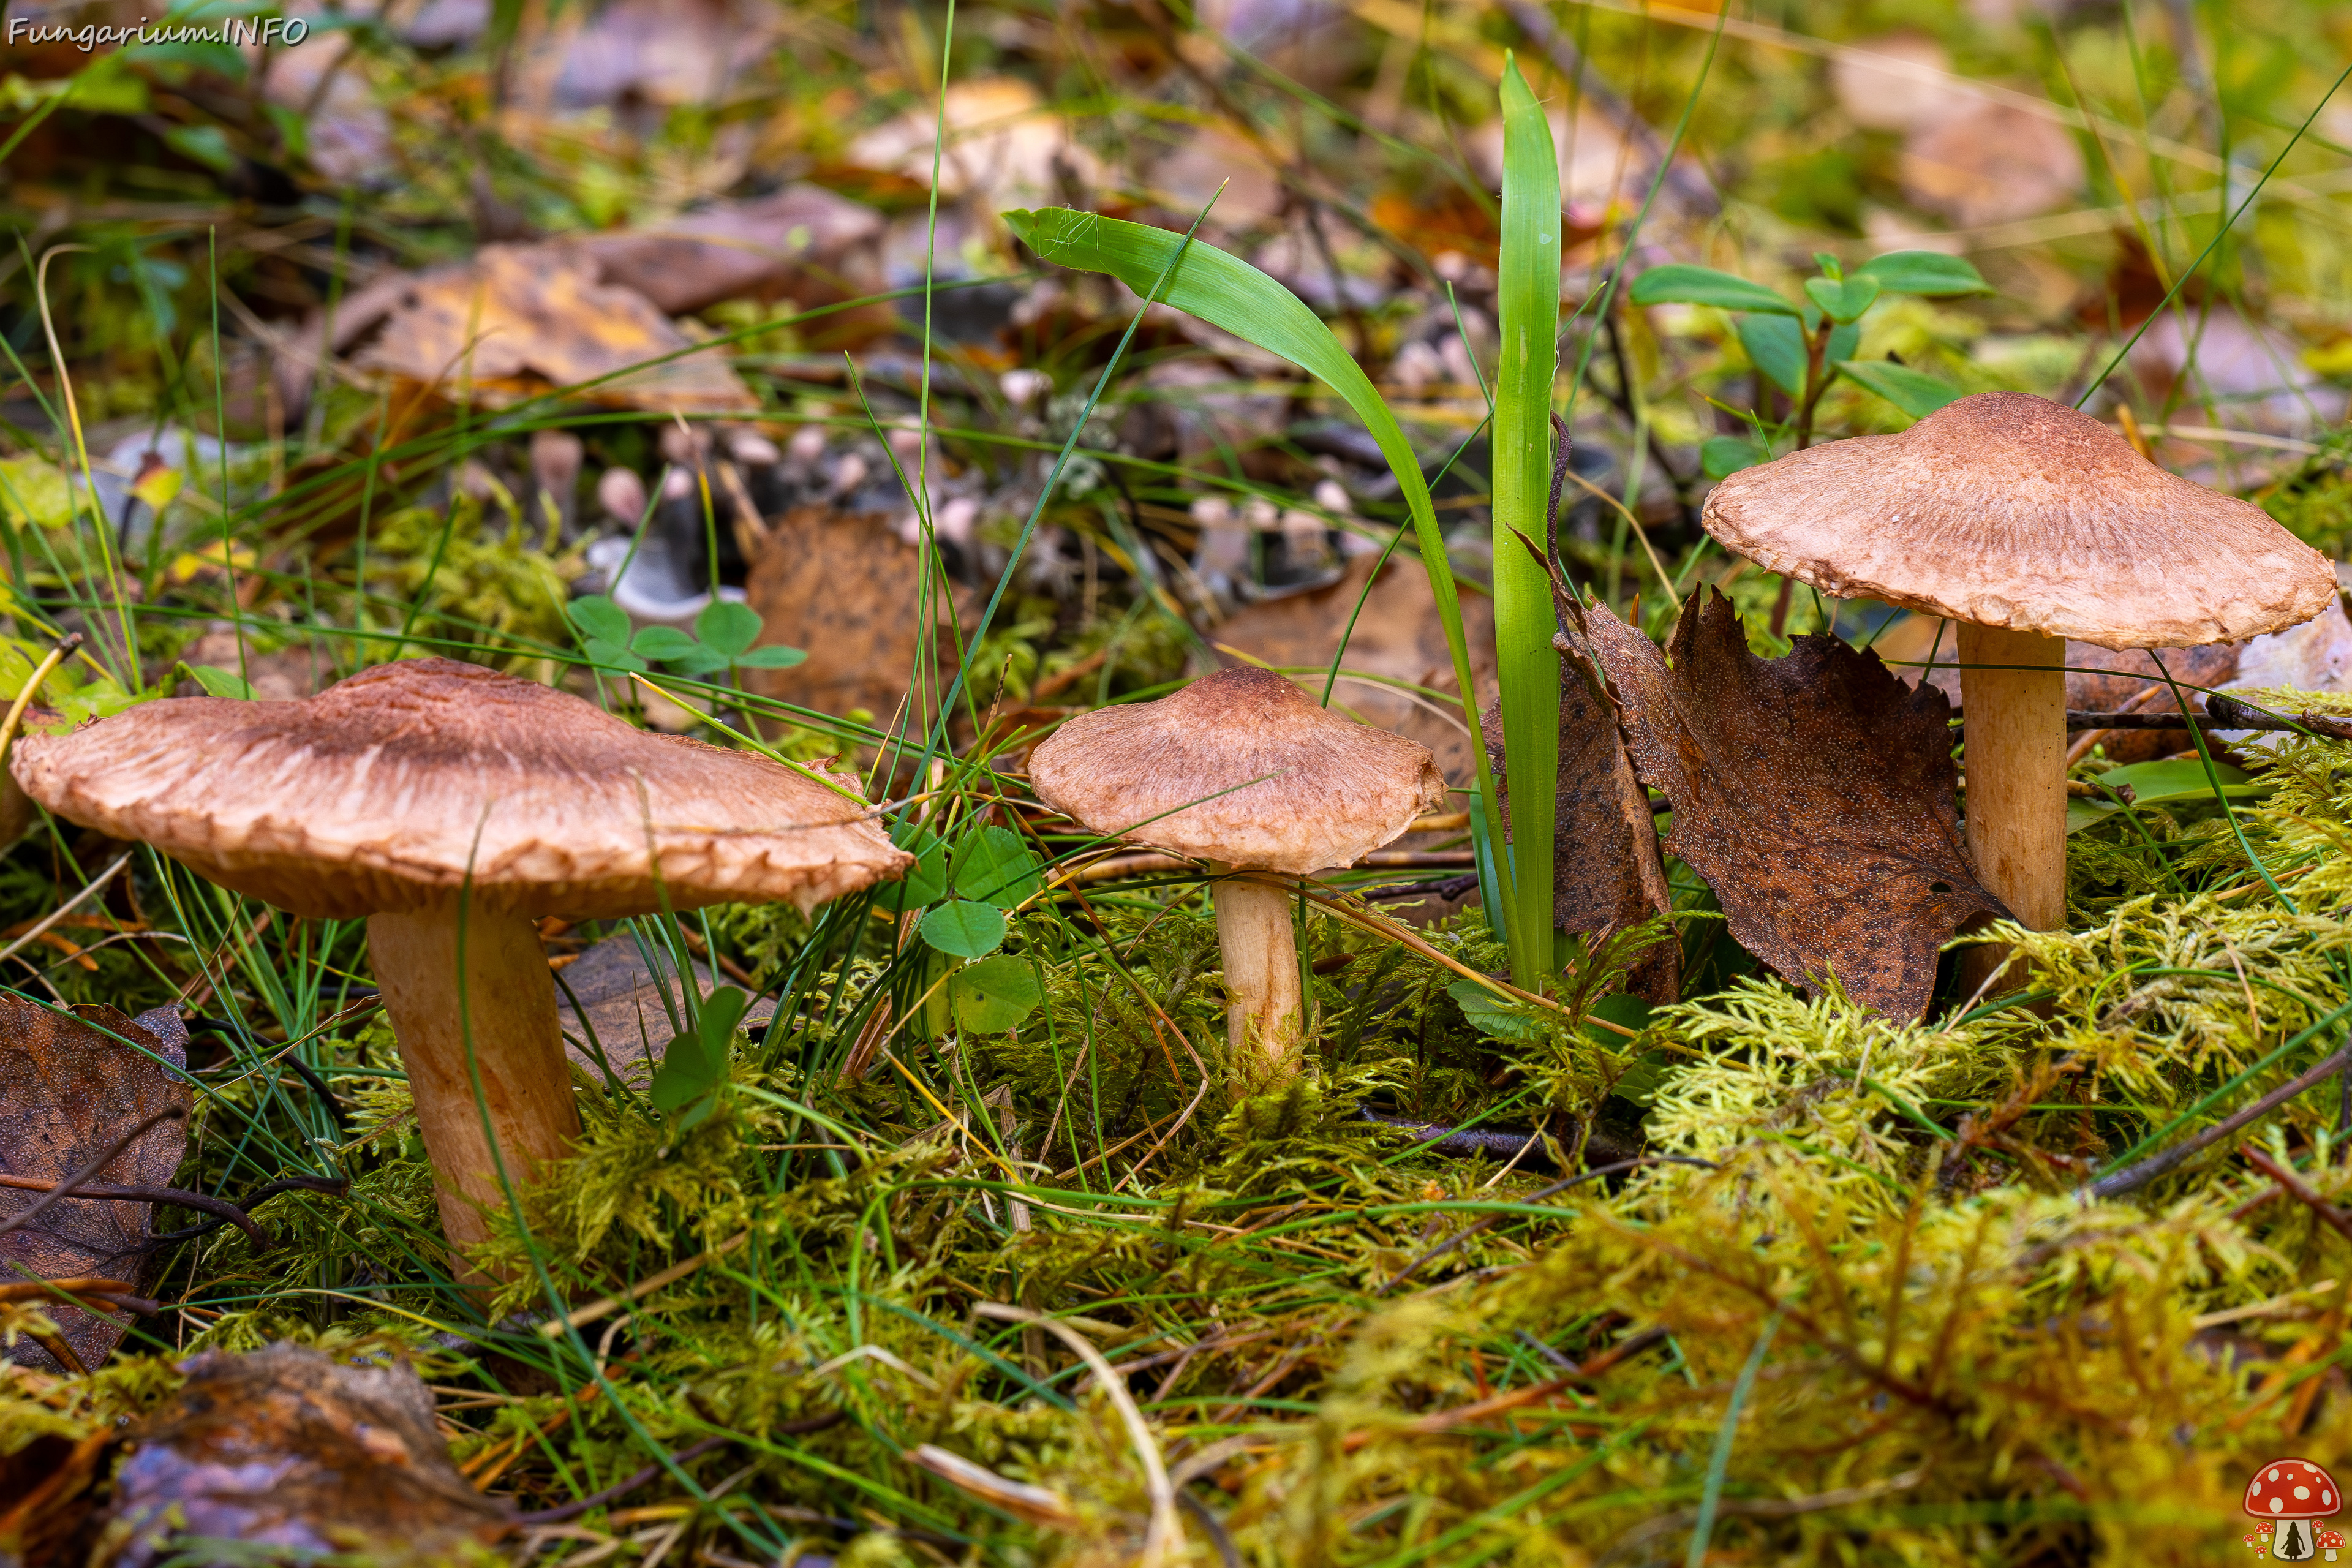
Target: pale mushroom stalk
x=398 y=792
x=2013 y=691
x=501 y=999
x=1264 y=1000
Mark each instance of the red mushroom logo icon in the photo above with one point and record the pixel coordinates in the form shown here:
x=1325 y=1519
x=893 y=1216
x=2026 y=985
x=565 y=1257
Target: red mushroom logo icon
x=2290 y=1493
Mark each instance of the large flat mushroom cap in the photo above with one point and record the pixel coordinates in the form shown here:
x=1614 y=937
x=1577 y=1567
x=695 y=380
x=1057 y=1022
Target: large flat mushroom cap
x=2009 y=509
x=1307 y=788
x=381 y=792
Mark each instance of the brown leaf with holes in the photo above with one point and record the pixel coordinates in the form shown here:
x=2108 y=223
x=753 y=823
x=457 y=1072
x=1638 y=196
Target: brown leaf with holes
x=286 y=1449
x=1814 y=793
x=1607 y=875
x=69 y=1088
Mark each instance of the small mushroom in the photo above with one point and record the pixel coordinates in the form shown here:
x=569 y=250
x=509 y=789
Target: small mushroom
x=2028 y=523
x=1244 y=771
x=451 y=805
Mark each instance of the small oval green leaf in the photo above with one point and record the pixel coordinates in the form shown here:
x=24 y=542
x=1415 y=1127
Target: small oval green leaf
x=728 y=625
x=964 y=929
x=1680 y=283
x=995 y=994
x=598 y=616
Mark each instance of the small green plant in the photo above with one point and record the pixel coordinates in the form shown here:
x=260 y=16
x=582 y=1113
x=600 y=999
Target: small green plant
x=1804 y=345
x=722 y=637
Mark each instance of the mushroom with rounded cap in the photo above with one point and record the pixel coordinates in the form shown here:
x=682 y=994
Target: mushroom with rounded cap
x=450 y=805
x=2027 y=522
x=2289 y=1493
x=1244 y=771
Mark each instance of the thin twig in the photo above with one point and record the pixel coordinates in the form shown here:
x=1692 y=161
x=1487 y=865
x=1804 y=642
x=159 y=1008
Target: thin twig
x=65 y=1188
x=2156 y=1165
x=100 y=1192
x=2300 y=1190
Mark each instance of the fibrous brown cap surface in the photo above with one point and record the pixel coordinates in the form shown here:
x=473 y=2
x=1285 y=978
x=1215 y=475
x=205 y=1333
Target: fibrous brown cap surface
x=1308 y=789
x=368 y=797
x=2008 y=510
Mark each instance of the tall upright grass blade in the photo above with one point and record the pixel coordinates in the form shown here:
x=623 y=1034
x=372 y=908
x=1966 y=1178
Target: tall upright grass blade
x=1228 y=292
x=1527 y=295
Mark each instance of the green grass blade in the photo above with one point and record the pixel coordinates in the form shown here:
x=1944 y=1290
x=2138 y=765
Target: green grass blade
x=1228 y=292
x=1529 y=297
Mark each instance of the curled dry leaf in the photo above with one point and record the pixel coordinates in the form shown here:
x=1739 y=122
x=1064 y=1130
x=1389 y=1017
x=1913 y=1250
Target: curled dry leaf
x=1607 y=875
x=286 y=1449
x=1813 y=792
x=68 y=1088
x=519 y=319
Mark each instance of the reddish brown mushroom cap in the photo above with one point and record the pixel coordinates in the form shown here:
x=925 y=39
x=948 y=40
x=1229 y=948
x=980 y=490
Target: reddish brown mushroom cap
x=2293 y=1489
x=1242 y=767
x=387 y=791
x=2007 y=510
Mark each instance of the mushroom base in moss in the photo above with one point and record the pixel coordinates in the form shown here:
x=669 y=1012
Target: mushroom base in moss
x=1263 y=1001
x=2013 y=693
x=472 y=997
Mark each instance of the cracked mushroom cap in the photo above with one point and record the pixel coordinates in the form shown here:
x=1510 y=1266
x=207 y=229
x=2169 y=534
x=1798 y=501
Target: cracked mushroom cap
x=1307 y=788
x=2293 y=1489
x=370 y=796
x=2008 y=510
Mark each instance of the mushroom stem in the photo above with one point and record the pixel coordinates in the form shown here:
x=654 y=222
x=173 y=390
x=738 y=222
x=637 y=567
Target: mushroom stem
x=2017 y=768
x=525 y=1110
x=1263 y=997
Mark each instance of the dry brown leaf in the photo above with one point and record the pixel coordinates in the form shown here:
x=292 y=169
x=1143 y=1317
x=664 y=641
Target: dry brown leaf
x=622 y=1004
x=1812 y=792
x=1398 y=635
x=733 y=251
x=521 y=318
x=1992 y=163
x=69 y=1088
x=842 y=587
x=287 y=1449
x=1607 y=875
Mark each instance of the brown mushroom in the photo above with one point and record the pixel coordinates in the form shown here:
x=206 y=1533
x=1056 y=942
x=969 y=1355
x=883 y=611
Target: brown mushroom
x=2029 y=523
x=1244 y=771
x=450 y=805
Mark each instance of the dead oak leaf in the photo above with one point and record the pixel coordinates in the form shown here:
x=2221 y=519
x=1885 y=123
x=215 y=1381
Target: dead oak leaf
x=287 y=1449
x=1814 y=793
x=70 y=1086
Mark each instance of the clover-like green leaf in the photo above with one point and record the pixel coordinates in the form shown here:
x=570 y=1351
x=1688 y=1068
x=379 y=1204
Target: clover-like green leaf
x=995 y=994
x=728 y=626
x=994 y=866
x=612 y=655
x=599 y=617
x=963 y=929
x=663 y=642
